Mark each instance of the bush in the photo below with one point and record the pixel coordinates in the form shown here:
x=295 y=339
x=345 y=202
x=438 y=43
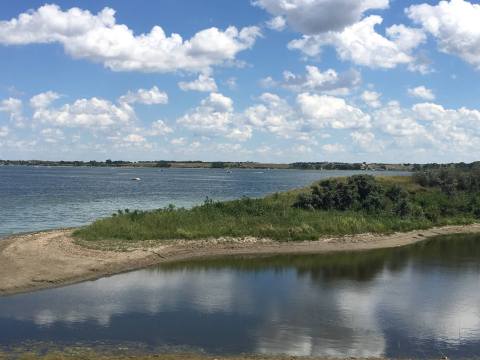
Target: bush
x=450 y=180
x=447 y=193
x=359 y=192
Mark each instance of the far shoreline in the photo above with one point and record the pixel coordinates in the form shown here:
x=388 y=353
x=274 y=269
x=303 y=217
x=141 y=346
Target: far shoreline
x=53 y=258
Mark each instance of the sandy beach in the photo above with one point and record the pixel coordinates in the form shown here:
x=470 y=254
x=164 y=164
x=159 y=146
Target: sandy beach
x=53 y=258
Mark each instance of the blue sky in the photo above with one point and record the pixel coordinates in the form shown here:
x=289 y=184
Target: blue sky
x=262 y=80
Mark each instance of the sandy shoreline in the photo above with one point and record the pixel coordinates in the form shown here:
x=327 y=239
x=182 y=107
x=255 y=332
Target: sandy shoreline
x=51 y=259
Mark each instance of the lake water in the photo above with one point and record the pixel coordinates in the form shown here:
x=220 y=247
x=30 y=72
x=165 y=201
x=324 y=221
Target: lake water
x=420 y=301
x=39 y=198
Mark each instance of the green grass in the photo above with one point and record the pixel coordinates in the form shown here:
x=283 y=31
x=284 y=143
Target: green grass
x=271 y=217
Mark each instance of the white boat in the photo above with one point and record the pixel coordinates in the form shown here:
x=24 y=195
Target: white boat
x=136 y=179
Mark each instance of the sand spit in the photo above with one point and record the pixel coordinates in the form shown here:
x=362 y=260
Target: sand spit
x=53 y=258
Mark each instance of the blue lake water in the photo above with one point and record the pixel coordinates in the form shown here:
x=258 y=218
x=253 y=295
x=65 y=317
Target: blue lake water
x=420 y=301
x=39 y=198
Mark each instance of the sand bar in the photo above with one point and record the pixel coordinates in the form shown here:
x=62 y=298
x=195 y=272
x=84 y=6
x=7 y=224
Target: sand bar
x=53 y=258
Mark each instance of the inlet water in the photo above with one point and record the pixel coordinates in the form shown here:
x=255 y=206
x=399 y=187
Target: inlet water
x=418 y=301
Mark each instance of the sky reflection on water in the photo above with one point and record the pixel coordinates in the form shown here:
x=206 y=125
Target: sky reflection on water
x=422 y=300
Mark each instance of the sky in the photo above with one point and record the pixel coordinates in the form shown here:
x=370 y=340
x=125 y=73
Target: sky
x=244 y=80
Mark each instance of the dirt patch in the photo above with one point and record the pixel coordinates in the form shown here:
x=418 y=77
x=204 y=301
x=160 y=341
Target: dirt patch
x=53 y=258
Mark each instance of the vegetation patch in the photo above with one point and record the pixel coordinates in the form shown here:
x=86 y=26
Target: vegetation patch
x=331 y=207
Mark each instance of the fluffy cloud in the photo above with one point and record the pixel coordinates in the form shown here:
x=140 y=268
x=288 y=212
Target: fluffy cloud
x=333 y=148
x=328 y=111
x=303 y=120
x=371 y=98
x=215 y=116
x=462 y=126
x=396 y=121
x=319 y=16
x=159 y=128
x=89 y=113
x=144 y=96
x=204 y=83
x=92 y=123
x=99 y=38
x=319 y=81
x=178 y=141
x=240 y=133
x=52 y=135
x=366 y=141
x=4 y=131
x=362 y=45
x=43 y=100
x=13 y=108
x=134 y=138
x=278 y=23
x=218 y=102
x=454 y=24
x=273 y=115
x=446 y=132
x=421 y=92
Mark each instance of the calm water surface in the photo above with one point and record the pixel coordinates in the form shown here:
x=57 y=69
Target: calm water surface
x=419 y=301
x=38 y=198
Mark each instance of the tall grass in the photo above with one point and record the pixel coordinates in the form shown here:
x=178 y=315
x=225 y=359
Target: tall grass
x=272 y=217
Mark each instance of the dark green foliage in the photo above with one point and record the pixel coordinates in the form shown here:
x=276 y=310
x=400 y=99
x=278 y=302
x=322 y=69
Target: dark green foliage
x=325 y=166
x=358 y=193
x=218 y=165
x=450 y=180
x=163 y=164
x=446 y=194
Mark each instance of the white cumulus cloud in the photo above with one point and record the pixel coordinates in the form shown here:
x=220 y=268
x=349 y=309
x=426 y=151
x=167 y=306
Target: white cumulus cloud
x=97 y=37
x=371 y=98
x=394 y=120
x=203 y=83
x=145 y=96
x=215 y=116
x=422 y=92
x=319 y=16
x=329 y=111
x=159 y=128
x=362 y=45
x=321 y=81
x=87 y=113
x=13 y=107
x=454 y=24
x=277 y=23
x=333 y=148
x=134 y=138
x=44 y=99
x=273 y=115
x=4 y=131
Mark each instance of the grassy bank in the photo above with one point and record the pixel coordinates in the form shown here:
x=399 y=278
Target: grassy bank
x=393 y=204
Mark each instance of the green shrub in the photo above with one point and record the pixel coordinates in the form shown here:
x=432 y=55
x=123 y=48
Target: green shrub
x=359 y=193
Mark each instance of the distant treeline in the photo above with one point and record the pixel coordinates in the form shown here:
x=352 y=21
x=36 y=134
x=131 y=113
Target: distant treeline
x=247 y=165
x=331 y=166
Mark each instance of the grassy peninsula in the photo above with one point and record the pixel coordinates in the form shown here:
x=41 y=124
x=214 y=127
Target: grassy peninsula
x=331 y=207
